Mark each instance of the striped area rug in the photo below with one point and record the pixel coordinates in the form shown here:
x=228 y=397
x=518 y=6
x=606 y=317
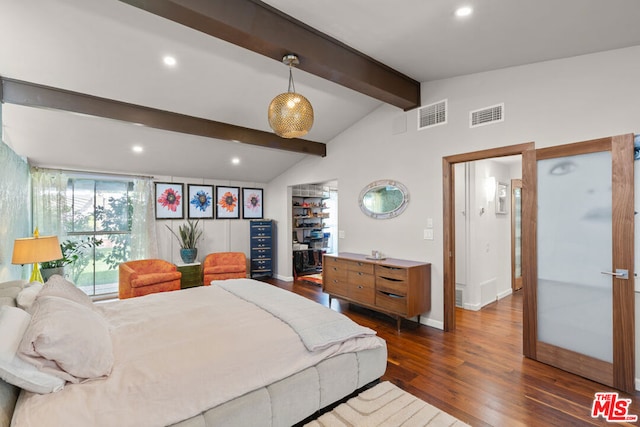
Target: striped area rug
x=385 y=405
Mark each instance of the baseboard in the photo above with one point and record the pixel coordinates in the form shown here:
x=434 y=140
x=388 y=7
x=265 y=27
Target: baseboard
x=488 y=291
x=505 y=293
x=472 y=307
x=433 y=323
x=637 y=382
x=284 y=278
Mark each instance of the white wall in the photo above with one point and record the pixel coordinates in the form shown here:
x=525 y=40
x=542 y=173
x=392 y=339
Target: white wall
x=550 y=103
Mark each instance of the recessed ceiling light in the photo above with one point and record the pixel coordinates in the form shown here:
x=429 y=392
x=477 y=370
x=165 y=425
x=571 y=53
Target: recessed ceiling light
x=169 y=61
x=137 y=149
x=235 y=161
x=464 y=11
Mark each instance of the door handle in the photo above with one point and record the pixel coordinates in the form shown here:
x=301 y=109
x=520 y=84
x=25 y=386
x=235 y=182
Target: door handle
x=619 y=273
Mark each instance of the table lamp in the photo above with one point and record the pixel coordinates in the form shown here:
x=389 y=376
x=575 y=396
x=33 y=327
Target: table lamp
x=32 y=250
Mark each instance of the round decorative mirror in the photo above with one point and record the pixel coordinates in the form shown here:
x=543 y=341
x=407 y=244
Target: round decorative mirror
x=384 y=199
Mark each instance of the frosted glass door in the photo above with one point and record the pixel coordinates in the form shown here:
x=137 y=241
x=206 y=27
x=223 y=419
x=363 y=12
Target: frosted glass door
x=577 y=234
x=574 y=248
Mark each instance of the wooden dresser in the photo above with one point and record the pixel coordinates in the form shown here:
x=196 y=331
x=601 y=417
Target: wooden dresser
x=396 y=287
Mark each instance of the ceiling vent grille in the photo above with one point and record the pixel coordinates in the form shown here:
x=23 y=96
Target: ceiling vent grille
x=432 y=115
x=486 y=116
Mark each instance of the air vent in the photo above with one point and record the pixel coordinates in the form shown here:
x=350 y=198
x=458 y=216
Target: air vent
x=432 y=115
x=486 y=116
x=458 y=297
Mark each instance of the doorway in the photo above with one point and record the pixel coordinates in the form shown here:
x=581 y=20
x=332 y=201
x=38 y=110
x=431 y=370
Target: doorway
x=607 y=165
x=449 y=218
x=483 y=230
x=314 y=213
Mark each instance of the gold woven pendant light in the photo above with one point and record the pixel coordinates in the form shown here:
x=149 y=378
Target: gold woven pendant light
x=290 y=114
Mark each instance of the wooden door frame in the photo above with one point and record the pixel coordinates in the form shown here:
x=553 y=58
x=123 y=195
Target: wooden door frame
x=448 y=196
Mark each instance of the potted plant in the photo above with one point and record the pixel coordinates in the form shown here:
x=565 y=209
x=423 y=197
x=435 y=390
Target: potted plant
x=188 y=237
x=71 y=252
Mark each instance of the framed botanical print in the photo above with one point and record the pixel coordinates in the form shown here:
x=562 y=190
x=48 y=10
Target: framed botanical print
x=200 y=201
x=252 y=203
x=169 y=200
x=227 y=206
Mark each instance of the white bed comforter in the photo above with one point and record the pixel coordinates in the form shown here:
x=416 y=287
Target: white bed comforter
x=178 y=354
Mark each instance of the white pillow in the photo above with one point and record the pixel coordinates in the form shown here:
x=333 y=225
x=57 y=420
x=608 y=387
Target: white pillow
x=67 y=340
x=27 y=296
x=13 y=323
x=28 y=377
x=58 y=286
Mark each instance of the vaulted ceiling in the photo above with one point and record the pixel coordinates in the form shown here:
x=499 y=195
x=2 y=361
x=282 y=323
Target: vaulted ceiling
x=355 y=56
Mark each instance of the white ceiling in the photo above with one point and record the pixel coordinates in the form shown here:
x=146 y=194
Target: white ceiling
x=110 y=49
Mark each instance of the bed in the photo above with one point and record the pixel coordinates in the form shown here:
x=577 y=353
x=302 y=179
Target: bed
x=237 y=353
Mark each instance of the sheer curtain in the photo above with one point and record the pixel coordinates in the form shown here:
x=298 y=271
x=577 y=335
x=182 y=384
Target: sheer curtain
x=51 y=210
x=144 y=243
x=14 y=209
x=49 y=201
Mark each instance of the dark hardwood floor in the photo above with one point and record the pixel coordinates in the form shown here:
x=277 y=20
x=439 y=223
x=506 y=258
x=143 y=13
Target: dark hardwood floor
x=477 y=373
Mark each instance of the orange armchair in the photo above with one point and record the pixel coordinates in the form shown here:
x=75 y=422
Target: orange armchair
x=147 y=276
x=224 y=265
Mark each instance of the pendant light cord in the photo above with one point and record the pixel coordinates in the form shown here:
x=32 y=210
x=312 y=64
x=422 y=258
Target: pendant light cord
x=291 y=84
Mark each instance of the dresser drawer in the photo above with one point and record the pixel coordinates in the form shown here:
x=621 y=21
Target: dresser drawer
x=335 y=285
x=398 y=287
x=261 y=253
x=260 y=231
x=261 y=242
x=261 y=264
x=391 y=302
x=334 y=272
x=391 y=272
x=331 y=260
x=362 y=267
x=335 y=263
x=361 y=287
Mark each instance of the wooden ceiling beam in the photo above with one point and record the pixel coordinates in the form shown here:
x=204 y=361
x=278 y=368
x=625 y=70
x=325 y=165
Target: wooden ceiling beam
x=260 y=28
x=34 y=95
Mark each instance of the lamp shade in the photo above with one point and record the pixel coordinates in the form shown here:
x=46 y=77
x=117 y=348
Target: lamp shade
x=290 y=115
x=32 y=250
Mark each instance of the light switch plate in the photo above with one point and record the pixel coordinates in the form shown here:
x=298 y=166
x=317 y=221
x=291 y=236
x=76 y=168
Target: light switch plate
x=341 y=234
x=428 y=233
x=429 y=222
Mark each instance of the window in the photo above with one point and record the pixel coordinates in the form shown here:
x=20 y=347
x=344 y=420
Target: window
x=98 y=211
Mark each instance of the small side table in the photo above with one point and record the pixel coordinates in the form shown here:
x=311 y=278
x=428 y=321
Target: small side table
x=191 y=275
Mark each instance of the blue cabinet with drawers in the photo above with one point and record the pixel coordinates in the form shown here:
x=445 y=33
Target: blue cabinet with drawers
x=262 y=236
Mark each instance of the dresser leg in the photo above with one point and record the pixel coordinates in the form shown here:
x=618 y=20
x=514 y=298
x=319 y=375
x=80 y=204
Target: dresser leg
x=329 y=301
x=398 y=322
